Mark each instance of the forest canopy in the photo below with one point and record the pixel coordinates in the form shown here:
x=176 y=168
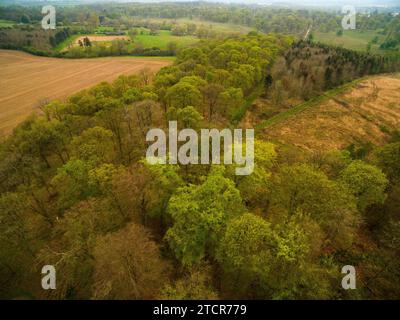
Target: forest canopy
x=77 y=193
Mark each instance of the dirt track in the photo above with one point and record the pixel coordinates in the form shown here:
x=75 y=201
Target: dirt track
x=26 y=80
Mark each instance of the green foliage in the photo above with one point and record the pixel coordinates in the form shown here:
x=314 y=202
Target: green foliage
x=216 y=77
x=200 y=214
x=42 y=138
x=183 y=94
x=187 y=117
x=194 y=286
x=366 y=182
x=255 y=188
x=165 y=181
x=266 y=262
x=387 y=158
x=72 y=183
x=247 y=245
x=93 y=145
x=301 y=187
x=76 y=193
x=25 y=19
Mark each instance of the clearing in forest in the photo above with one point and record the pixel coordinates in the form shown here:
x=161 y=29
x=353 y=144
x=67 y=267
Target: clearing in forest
x=366 y=112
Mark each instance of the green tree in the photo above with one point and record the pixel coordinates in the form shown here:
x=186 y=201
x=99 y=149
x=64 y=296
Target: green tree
x=388 y=159
x=182 y=95
x=255 y=188
x=366 y=182
x=71 y=183
x=44 y=138
x=187 y=117
x=112 y=115
x=199 y=214
x=194 y=286
x=25 y=19
x=230 y=101
x=262 y=261
x=301 y=187
x=211 y=93
x=94 y=144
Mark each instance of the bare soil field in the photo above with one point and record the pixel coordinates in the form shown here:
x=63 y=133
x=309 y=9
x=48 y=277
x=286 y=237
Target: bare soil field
x=366 y=113
x=27 y=80
x=101 y=38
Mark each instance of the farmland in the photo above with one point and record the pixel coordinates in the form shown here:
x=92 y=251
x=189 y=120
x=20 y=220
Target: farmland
x=162 y=39
x=143 y=37
x=96 y=38
x=260 y=162
x=353 y=40
x=227 y=28
x=73 y=41
x=27 y=80
x=6 y=23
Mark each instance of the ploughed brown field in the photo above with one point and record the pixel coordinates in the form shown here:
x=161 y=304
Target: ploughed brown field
x=27 y=80
x=101 y=38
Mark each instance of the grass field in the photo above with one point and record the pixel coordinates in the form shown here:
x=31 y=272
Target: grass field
x=64 y=45
x=216 y=26
x=101 y=29
x=6 y=23
x=352 y=39
x=308 y=104
x=162 y=39
x=364 y=111
x=26 y=80
x=143 y=38
x=100 y=38
x=74 y=40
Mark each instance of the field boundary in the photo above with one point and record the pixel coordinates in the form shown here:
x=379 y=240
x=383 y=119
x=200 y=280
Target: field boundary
x=240 y=113
x=308 y=104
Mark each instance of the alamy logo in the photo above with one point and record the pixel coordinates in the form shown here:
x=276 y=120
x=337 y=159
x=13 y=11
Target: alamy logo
x=349 y=280
x=49 y=278
x=349 y=20
x=189 y=153
x=49 y=20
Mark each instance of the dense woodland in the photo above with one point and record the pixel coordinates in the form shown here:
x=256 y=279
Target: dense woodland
x=76 y=192
x=308 y=69
x=263 y=18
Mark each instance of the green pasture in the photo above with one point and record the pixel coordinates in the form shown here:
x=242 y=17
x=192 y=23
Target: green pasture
x=6 y=23
x=352 y=39
x=161 y=39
